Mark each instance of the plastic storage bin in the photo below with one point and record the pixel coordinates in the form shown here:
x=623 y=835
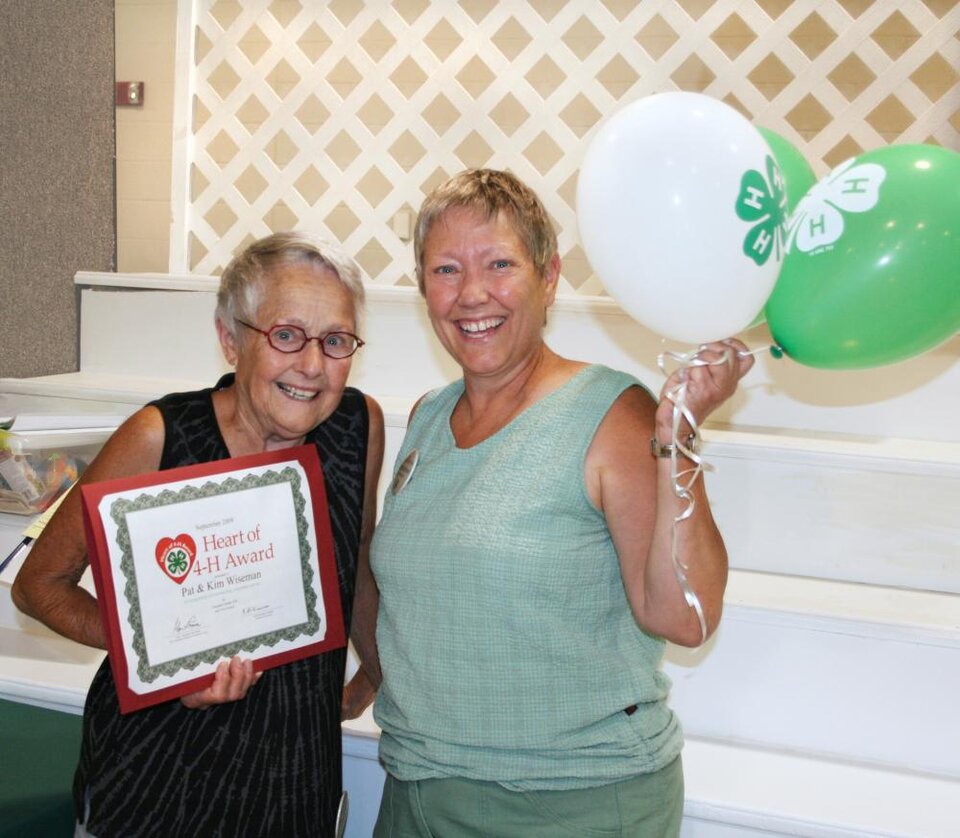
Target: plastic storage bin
x=36 y=466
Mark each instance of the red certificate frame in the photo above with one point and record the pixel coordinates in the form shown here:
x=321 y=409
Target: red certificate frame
x=116 y=578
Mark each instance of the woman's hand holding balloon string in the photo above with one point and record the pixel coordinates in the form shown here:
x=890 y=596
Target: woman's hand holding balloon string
x=703 y=381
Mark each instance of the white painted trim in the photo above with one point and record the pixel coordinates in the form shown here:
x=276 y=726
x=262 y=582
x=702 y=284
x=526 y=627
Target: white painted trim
x=98 y=387
x=754 y=822
x=146 y=281
x=49 y=698
x=861 y=453
x=782 y=793
x=178 y=259
x=843 y=607
x=946 y=635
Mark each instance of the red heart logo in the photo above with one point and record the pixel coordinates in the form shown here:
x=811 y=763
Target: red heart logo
x=176 y=556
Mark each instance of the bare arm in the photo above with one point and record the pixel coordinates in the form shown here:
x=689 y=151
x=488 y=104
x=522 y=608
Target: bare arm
x=634 y=491
x=367 y=597
x=47 y=586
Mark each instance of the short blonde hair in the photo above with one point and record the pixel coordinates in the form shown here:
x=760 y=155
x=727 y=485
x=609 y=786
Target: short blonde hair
x=245 y=280
x=490 y=192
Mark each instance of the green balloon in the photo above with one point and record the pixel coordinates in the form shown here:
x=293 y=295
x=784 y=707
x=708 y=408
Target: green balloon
x=872 y=270
x=797 y=175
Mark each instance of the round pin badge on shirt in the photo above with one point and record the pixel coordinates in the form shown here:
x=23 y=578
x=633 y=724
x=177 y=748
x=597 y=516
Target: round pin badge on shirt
x=405 y=472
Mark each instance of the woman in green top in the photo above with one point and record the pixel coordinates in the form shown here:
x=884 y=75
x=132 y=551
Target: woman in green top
x=524 y=556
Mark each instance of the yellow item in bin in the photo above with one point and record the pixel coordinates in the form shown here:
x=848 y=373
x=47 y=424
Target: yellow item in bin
x=35 y=468
x=35 y=527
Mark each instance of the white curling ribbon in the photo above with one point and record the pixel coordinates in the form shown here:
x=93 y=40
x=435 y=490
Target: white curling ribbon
x=682 y=481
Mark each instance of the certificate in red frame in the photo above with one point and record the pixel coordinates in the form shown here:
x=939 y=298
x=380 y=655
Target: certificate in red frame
x=200 y=563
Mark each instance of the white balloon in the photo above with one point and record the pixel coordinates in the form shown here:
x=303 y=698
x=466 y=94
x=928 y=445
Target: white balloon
x=657 y=201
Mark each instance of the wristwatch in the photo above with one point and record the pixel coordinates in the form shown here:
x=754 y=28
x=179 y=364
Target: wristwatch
x=665 y=449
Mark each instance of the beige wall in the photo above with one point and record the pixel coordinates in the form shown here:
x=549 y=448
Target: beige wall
x=145 y=43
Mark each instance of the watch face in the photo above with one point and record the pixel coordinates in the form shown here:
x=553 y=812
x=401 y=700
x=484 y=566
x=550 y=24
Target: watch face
x=660 y=449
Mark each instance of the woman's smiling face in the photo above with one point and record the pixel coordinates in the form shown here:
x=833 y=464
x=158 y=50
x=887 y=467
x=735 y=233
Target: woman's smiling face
x=486 y=301
x=282 y=396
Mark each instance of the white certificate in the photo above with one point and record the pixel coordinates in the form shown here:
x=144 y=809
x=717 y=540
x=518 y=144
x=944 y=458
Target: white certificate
x=198 y=564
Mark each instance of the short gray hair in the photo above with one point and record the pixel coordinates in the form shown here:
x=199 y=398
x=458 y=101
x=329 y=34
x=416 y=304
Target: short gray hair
x=247 y=277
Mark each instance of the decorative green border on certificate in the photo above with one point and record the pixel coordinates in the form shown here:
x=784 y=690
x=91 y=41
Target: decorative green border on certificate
x=119 y=510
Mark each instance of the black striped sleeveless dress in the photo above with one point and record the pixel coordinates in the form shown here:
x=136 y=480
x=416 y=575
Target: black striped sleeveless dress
x=268 y=765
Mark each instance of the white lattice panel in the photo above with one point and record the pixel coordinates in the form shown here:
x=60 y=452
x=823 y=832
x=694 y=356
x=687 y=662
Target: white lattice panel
x=337 y=116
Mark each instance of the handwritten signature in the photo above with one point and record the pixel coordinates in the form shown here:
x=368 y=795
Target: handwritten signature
x=190 y=623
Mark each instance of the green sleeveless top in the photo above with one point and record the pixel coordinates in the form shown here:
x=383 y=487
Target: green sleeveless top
x=508 y=647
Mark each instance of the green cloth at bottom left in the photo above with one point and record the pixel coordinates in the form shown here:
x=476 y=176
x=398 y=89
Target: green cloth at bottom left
x=38 y=756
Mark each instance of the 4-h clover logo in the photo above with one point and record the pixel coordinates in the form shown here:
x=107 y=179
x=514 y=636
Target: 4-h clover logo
x=818 y=219
x=175 y=556
x=763 y=201
x=176 y=562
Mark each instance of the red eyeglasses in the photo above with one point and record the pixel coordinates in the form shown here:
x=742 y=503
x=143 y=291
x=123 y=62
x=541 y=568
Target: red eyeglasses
x=289 y=339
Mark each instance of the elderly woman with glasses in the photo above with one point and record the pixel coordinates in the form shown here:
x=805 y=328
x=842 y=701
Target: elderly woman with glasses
x=524 y=555
x=253 y=754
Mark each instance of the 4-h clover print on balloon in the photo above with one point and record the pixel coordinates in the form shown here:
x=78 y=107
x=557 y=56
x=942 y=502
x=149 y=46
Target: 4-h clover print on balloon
x=681 y=211
x=872 y=270
x=818 y=220
x=763 y=203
